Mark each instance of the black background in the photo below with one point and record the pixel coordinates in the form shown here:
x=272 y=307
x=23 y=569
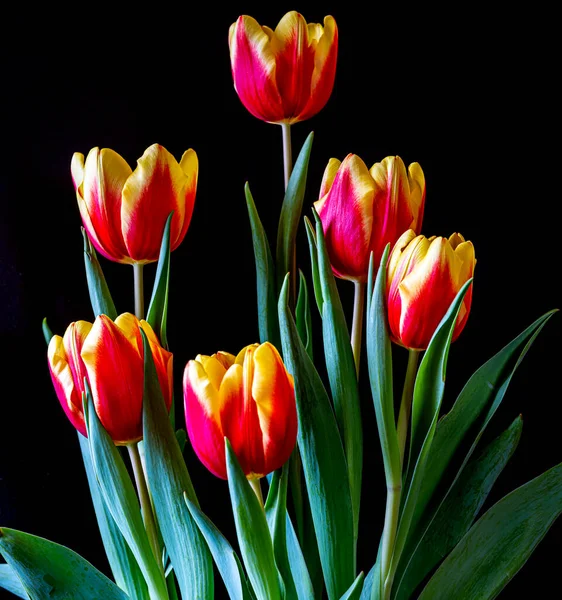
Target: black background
x=468 y=94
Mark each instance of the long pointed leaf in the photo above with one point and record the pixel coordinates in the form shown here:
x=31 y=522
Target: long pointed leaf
x=460 y=507
x=157 y=315
x=252 y=531
x=49 y=571
x=225 y=557
x=11 y=582
x=100 y=297
x=313 y=248
x=303 y=316
x=265 y=277
x=168 y=479
x=299 y=567
x=500 y=542
x=323 y=460
x=354 y=592
x=47 y=333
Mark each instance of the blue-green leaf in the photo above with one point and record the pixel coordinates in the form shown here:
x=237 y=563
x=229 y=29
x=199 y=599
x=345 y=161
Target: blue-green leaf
x=313 y=248
x=49 y=571
x=299 y=568
x=291 y=213
x=181 y=437
x=121 y=560
x=120 y=498
x=11 y=582
x=303 y=316
x=47 y=333
x=323 y=459
x=354 y=592
x=500 y=542
x=225 y=557
x=168 y=479
x=342 y=374
x=252 y=531
x=157 y=315
x=100 y=297
x=265 y=277
x=459 y=508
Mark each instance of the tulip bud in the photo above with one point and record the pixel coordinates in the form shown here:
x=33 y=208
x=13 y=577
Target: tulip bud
x=125 y=211
x=423 y=278
x=362 y=211
x=110 y=356
x=286 y=75
x=250 y=400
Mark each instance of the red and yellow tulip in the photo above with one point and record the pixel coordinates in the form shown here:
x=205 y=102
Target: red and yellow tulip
x=363 y=210
x=247 y=398
x=423 y=277
x=110 y=356
x=125 y=211
x=286 y=75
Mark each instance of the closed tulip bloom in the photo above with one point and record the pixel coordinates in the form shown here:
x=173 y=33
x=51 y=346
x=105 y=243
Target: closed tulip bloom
x=125 y=211
x=286 y=75
x=247 y=398
x=363 y=210
x=423 y=277
x=110 y=355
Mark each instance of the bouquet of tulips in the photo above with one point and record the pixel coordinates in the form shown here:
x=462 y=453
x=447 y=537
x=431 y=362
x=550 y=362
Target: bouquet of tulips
x=280 y=421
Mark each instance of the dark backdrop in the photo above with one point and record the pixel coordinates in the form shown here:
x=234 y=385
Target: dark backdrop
x=470 y=97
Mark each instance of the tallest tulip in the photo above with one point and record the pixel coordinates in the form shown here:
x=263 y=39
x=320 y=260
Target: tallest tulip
x=286 y=75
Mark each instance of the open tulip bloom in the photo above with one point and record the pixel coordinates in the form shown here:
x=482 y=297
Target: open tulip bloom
x=280 y=422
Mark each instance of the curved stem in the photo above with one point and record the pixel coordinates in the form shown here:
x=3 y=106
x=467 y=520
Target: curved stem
x=389 y=535
x=256 y=486
x=406 y=403
x=146 y=506
x=139 y=290
x=357 y=325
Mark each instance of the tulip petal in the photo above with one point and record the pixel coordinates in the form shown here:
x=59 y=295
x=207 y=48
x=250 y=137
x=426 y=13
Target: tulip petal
x=77 y=171
x=67 y=393
x=417 y=194
x=202 y=417
x=324 y=74
x=328 y=179
x=73 y=340
x=99 y=200
x=347 y=219
x=253 y=70
x=158 y=186
x=115 y=370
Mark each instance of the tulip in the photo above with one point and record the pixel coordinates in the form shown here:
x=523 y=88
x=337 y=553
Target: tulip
x=125 y=211
x=362 y=211
x=250 y=400
x=286 y=75
x=110 y=356
x=423 y=278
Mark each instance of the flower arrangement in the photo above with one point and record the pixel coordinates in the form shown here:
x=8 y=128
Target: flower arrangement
x=287 y=439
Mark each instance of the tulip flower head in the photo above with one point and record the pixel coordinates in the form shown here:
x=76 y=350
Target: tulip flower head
x=125 y=211
x=286 y=75
x=423 y=277
x=110 y=356
x=247 y=398
x=363 y=210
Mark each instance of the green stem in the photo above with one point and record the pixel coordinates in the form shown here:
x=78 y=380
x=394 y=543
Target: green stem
x=146 y=506
x=256 y=486
x=287 y=152
x=406 y=403
x=139 y=290
x=357 y=324
x=389 y=535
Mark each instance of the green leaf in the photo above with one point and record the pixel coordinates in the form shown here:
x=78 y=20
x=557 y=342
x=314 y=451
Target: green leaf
x=168 y=479
x=157 y=315
x=354 y=592
x=500 y=542
x=121 y=560
x=428 y=395
x=47 y=333
x=11 y=582
x=299 y=568
x=342 y=374
x=323 y=460
x=225 y=557
x=371 y=587
x=314 y=263
x=252 y=531
x=379 y=355
x=100 y=297
x=291 y=213
x=181 y=437
x=303 y=316
x=459 y=508
x=49 y=571
x=120 y=497
x=265 y=277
